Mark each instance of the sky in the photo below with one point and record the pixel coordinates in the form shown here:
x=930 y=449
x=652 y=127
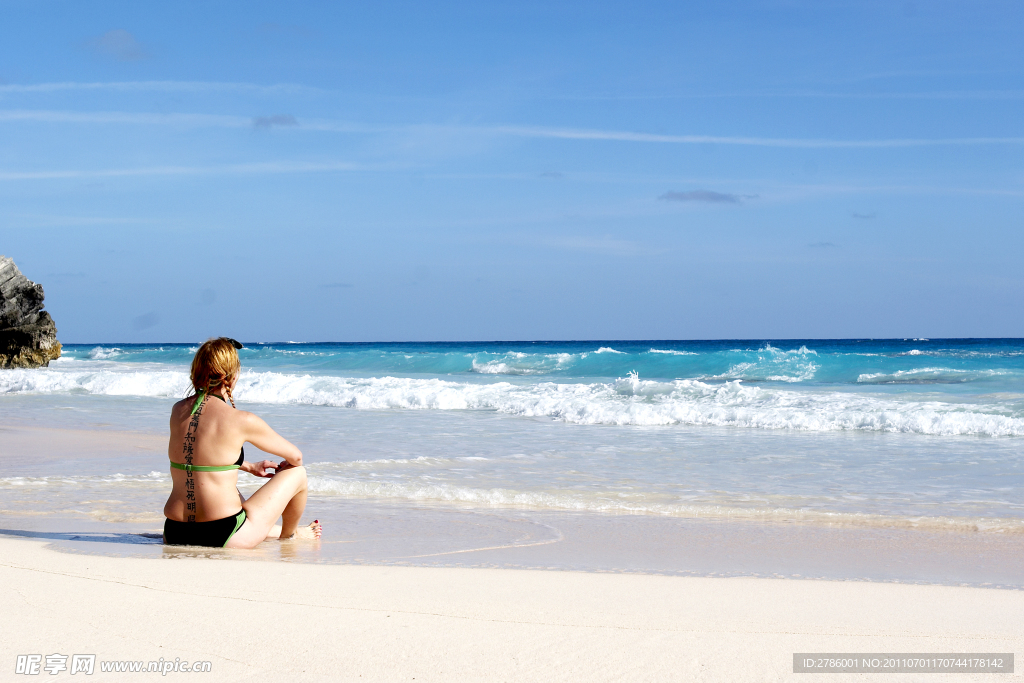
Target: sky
x=323 y=171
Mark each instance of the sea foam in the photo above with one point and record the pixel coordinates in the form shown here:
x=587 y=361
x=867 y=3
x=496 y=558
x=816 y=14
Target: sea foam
x=629 y=401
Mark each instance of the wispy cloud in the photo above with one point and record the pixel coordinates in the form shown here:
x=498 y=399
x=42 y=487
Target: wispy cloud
x=706 y=196
x=230 y=169
x=862 y=216
x=193 y=120
x=802 y=191
x=328 y=125
x=931 y=95
x=275 y=120
x=157 y=86
x=285 y=88
x=120 y=117
x=118 y=44
x=600 y=245
x=56 y=221
x=627 y=136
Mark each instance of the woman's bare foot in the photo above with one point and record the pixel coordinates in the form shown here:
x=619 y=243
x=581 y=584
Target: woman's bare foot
x=312 y=531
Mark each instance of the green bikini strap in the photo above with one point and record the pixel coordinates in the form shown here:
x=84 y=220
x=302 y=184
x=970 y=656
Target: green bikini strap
x=200 y=395
x=206 y=468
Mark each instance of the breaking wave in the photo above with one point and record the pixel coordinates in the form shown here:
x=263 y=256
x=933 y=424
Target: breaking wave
x=775 y=365
x=518 y=363
x=927 y=376
x=628 y=401
x=100 y=353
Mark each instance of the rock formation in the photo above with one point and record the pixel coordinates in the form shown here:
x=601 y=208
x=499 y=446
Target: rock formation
x=28 y=337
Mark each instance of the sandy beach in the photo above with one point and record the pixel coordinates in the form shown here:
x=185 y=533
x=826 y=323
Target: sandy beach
x=290 y=621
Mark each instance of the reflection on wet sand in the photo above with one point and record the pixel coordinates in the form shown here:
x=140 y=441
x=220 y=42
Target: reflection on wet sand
x=371 y=533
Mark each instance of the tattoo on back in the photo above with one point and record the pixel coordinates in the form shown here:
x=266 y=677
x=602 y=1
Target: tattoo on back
x=190 y=484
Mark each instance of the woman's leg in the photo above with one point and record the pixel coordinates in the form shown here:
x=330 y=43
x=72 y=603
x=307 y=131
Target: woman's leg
x=283 y=496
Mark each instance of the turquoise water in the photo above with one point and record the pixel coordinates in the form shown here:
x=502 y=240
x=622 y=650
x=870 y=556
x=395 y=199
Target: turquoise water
x=986 y=364
x=895 y=433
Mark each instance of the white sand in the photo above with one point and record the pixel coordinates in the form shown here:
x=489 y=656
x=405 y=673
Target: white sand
x=284 y=621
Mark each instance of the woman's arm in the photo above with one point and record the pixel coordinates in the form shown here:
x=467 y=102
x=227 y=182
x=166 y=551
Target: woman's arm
x=259 y=434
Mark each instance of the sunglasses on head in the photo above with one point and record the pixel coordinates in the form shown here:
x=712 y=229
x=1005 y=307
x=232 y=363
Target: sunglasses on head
x=234 y=342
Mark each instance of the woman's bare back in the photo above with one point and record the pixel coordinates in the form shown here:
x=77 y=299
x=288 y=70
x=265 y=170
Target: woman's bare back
x=218 y=441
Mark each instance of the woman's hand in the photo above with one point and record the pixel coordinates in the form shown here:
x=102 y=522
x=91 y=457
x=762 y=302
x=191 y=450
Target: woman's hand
x=284 y=465
x=259 y=469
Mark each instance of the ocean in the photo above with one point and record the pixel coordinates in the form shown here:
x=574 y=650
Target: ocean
x=914 y=435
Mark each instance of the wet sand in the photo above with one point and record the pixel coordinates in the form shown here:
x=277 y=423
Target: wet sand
x=108 y=518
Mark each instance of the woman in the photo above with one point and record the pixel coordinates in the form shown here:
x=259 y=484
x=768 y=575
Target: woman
x=206 y=453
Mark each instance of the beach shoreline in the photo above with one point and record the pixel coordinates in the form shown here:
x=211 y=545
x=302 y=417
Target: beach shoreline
x=263 y=620
x=110 y=517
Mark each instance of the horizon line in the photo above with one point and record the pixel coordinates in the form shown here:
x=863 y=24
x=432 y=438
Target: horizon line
x=580 y=341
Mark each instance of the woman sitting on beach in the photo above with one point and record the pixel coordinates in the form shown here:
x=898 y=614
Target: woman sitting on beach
x=206 y=454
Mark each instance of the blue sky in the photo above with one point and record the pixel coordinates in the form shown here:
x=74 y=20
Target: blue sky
x=474 y=171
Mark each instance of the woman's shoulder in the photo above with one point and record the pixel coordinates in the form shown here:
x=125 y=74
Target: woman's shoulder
x=180 y=405
x=182 y=408
x=247 y=418
x=250 y=423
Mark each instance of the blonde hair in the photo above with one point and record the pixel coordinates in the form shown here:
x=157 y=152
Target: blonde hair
x=215 y=364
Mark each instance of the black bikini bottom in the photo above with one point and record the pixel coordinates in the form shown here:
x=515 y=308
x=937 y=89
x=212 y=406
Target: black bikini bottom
x=214 y=534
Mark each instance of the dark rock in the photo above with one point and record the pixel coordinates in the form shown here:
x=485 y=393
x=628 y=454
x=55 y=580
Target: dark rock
x=28 y=337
